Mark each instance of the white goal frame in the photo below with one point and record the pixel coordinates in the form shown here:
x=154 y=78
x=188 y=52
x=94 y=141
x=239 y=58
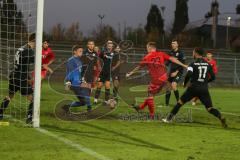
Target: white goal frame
x=38 y=64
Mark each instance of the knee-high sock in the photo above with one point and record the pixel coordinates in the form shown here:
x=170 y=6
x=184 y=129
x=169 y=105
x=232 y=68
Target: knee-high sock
x=167 y=97
x=215 y=112
x=107 y=94
x=97 y=93
x=174 y=111
x=144 y=104
x=115 y=92
x=176 y=94
x=4 y=105
x=151 y=107
x=30 y=110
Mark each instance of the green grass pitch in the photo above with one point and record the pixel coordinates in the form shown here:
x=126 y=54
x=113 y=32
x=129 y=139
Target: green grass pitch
x=113 y=138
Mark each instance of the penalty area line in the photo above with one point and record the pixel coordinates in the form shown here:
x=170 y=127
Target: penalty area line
x=226 y=113
x=77 y=146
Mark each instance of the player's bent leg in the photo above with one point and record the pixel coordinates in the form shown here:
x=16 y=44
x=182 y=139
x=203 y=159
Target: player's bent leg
x=207 y=102
x=187 y=96
x=151 y=107
x=86 y=94
x=77 y=90
x=217 y=114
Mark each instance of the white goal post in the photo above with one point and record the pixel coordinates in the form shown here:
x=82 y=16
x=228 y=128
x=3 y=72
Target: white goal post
x=38 y=64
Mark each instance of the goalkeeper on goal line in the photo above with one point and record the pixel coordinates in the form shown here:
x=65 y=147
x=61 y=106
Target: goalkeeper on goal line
x=19 y=77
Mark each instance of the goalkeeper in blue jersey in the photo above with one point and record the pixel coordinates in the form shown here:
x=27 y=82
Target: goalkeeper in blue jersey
x=73 y=80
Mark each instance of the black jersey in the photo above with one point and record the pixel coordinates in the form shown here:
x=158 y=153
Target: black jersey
x=107 y=57
x=200 y=73
x=89 y=60
x=116 y=59
x=23 y=60
x=179 y=54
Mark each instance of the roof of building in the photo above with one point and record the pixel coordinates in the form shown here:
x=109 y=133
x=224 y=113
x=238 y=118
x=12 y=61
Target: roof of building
x=222 y=21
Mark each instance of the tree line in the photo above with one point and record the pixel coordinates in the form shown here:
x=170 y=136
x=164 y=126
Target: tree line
x=13 y=26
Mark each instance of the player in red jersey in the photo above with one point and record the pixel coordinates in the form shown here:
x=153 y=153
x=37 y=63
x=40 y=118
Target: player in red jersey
x=48 y=58
x=209 y=58
x=154 y=61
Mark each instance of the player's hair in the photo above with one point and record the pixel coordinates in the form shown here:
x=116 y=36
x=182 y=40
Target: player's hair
x=152 y=44
x=46 y=40
x=174 y=40
x=76 y=47
x=32 y=37
x=90 y=40
x=200 y=51
x=209 y=52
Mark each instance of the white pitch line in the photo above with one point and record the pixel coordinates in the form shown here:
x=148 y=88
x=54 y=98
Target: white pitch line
x=67 y=141
x=227 y=113
x=75 y=145
x=201 y=109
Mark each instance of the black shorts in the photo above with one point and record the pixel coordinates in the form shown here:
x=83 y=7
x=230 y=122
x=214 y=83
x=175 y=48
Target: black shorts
x=116 y=76
x=176 y=79
x=104 y=76
x=201 y=92
x=89 y=78
x=16 y=84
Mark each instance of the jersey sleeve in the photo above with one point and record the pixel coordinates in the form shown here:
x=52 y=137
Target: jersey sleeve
x=166 y=57
x=190 y=68
x=189 y=74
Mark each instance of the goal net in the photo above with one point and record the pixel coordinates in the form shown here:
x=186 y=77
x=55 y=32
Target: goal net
x=18 y=24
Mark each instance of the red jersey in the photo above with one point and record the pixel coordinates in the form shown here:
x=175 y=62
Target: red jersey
x=155 y=63
x=47 y=55
x=213 y=63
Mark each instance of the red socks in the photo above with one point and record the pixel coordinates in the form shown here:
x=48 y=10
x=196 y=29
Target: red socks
x=150 y=103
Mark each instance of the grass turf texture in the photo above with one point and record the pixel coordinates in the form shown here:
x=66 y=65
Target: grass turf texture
x=120 y=140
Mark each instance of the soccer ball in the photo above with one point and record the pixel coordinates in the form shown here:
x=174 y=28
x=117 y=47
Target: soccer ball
x=112 y=103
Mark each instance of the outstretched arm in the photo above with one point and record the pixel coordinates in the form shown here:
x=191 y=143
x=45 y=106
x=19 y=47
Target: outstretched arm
x=133 y=71
x=174 y=60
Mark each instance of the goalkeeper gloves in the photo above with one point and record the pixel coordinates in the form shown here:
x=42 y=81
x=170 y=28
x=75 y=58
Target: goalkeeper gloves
x=68 y=86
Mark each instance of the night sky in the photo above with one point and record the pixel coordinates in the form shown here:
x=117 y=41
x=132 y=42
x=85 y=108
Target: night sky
x=133 y=12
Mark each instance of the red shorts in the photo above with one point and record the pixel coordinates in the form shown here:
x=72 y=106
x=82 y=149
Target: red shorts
x=155 y=88
x=43 y=74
